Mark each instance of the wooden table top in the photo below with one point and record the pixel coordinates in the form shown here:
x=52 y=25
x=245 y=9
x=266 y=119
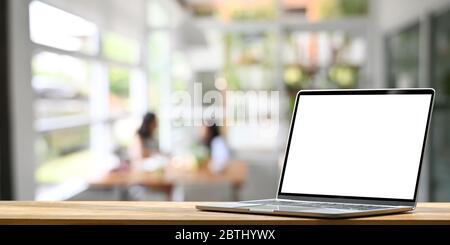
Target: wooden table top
x=158 y=213
x=235 y=173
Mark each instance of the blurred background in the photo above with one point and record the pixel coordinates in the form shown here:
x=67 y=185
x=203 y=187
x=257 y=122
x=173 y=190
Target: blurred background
x=78 y=77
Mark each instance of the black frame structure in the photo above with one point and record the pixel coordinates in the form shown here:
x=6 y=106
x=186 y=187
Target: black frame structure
x=6 y=192
x=354 y=199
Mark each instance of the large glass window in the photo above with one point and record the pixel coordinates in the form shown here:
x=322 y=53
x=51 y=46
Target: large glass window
x=63 y=154
x=159 y=65
x=158 y=15
x=160 y=21
x=61 y=84
x=119 y=89
x=49 y=26
x=86 y=99
x=120 y=48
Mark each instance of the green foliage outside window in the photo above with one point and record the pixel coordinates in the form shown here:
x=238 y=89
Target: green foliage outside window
x=118 y=81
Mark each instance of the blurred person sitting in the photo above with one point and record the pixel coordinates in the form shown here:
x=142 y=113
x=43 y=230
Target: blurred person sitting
x=218 y=151
x=145 y=143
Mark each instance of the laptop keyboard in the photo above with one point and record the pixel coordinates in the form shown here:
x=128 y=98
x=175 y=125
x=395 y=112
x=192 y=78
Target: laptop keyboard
x=322 y=205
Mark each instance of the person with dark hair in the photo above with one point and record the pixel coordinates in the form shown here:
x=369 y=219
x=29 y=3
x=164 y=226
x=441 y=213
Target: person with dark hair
x=218 y=151
x=145 y=143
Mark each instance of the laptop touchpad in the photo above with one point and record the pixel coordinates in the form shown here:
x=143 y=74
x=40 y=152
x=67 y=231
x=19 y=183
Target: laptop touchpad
x=234 y=205
x=277 y=208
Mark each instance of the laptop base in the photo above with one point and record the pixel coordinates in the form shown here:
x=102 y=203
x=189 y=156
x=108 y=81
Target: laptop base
x=283 y=210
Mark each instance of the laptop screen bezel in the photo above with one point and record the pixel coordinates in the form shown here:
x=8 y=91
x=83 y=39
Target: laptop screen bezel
x=353 y=199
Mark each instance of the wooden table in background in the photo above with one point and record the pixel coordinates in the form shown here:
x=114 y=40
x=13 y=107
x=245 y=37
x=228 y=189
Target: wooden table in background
x=160 y=213
x=235 y=174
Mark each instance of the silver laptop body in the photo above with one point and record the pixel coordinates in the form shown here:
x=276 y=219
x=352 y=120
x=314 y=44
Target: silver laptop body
x=379 y=171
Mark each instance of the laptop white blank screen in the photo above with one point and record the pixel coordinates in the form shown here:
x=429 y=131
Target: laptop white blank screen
x=357 y=145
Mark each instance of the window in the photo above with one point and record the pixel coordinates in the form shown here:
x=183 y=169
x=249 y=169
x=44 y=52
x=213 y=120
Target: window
x=63 y=154
x=61 y=85
x=48 y=26
x=119 y=89
x=86 y=99
x=158 y=15
x=159 y=64
x=120 y=48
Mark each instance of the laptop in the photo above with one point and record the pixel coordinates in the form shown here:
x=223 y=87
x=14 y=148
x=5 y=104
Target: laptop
x=349 y=153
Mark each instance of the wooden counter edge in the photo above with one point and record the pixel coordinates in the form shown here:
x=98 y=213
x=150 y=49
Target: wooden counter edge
x=129 y=213
x=219 y=222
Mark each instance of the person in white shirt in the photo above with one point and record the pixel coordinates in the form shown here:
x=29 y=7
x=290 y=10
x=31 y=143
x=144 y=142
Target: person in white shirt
x=219 y=154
